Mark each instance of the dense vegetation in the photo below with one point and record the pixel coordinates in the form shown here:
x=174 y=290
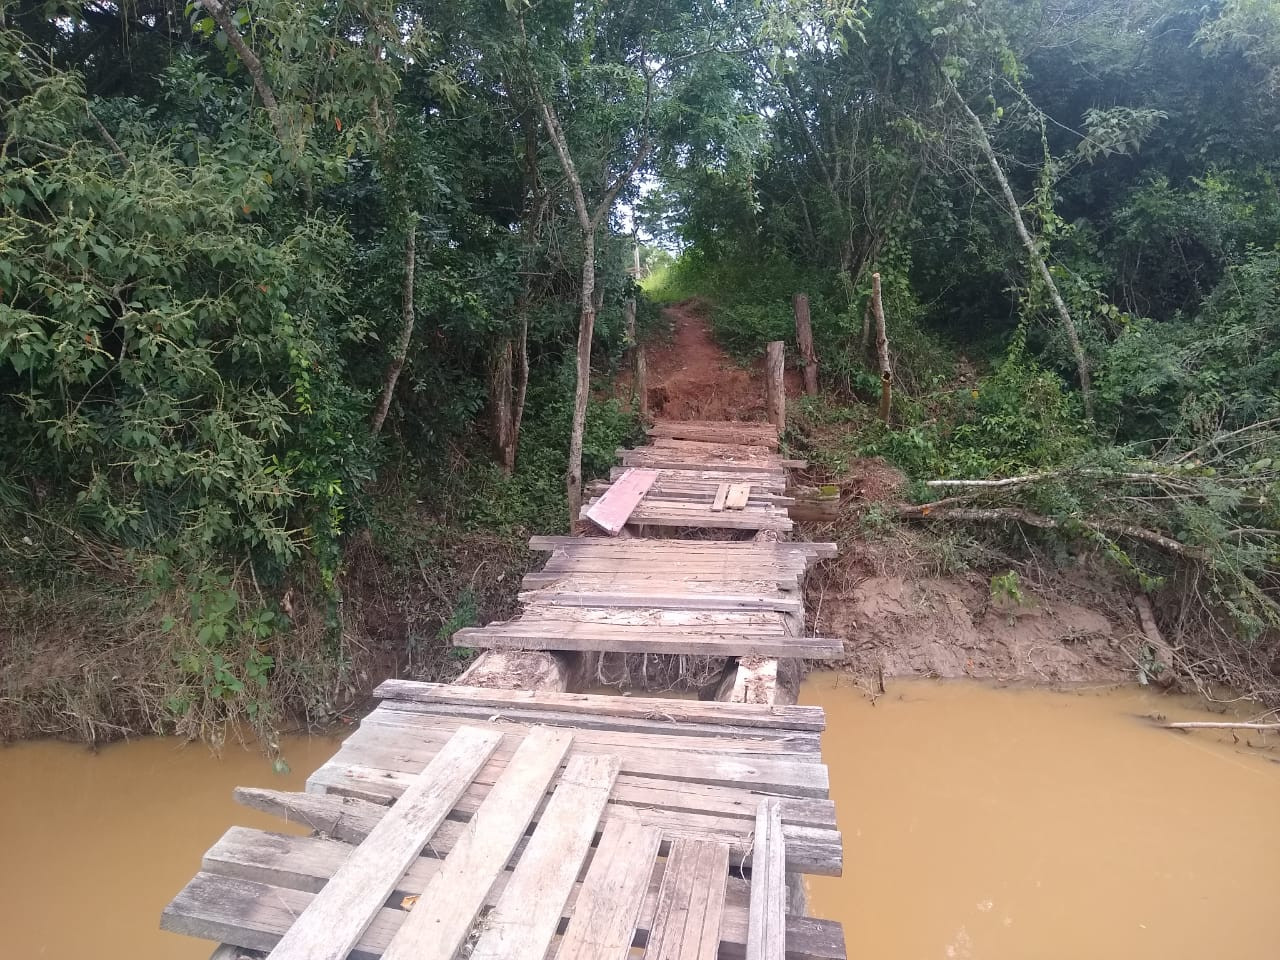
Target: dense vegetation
x=296 y=291
x=1074 y=209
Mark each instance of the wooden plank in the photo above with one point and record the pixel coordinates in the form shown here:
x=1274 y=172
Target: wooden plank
x=722 y=494
x=762 y=434
x=607 y=547
x=665 y=709
x=737 y=496
x=611 y=511
x=521 y=926
x=809 y=849
x=254 y=914
x=644 y=640
x=451 y=900
x=604 y=919
x=766 y=936
x=686 y=925
x=335 y=920
x=678 y=601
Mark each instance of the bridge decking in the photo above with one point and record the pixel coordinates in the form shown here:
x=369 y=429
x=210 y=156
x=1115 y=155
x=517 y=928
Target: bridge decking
x=491 y=823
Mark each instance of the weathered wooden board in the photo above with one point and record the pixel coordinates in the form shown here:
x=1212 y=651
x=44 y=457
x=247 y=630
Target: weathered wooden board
x=676 y=548
x=603 y=925
x=686 y=924
x=611 y=511
x=677 y=600
x=645 y=640
x=589 y=704
x=736 y=498
x=763 y=434
x=722 y=495
x=335 y=920
x=454 y=896
x=528 y=913
x=766 y=937
x=810 y=849
x=253 y=915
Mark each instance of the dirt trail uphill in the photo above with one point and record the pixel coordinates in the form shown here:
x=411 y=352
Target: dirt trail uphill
x=692 y=378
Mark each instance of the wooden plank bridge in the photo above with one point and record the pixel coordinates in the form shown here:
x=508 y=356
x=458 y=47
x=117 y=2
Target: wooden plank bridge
x=473 y=820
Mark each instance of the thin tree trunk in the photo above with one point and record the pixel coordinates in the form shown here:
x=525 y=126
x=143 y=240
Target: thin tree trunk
x=882 y=349
x=522 y=385
x=251 y=63
x=1073 y=335
x=582 y=390
x=406 y=331
x=775 y=384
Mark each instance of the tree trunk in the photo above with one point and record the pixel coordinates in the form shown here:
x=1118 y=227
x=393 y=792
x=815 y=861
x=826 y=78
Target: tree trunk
x=775 y=384
x=251 y=63
x=500 y=403
x=804 y=339
x=521 y=388
x=1068 y=325
x=582 y=391
x=639 y=388
x=406 y=331
x=882 y=349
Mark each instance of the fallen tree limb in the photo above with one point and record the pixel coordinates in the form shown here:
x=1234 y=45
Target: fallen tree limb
x=1018 y=515
x=1214 y=725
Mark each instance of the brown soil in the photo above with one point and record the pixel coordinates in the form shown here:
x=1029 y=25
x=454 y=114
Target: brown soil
x=692 y=378
x=892 y=597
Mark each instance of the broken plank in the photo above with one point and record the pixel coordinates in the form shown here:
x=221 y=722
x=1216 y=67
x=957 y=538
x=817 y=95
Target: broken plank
x=722 y=494
x=527 y=916
x=611 y=511
x=604 y=919
x=766 y=928
x=450 y=902
x=335 y=920
x=686 y=925
x=736 y=499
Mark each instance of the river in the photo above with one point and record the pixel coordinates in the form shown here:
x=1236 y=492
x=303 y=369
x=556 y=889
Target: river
x=1010 y=824
x=1001 y=824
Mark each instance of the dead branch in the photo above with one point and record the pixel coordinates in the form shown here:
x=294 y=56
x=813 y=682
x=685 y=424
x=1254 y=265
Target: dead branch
x=406 y=331
x=1213 y=725
x=1017 y=514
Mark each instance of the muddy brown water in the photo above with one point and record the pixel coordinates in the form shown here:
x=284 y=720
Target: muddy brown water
x=93 y=845
x=1024 y=824
x=978 y=823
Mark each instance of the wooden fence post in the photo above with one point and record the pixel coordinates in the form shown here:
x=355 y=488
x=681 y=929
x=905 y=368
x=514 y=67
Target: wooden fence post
x=804 y=338
x=775 y=386
x=882 y=348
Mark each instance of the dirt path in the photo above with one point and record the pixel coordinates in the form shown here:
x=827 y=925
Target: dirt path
x=692 y=378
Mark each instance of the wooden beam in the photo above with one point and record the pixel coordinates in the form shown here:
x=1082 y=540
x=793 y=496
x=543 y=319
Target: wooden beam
x=336 y=919
x=766 y=931
x=775 y=384
x=804 y=340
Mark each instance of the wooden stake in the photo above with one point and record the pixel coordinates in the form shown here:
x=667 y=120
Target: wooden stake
x=804 y=338
x=882 y=348
x=775 y=385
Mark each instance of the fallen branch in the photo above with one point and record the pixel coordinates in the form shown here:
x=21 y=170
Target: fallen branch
x=1213 y=725
x=1017 y=514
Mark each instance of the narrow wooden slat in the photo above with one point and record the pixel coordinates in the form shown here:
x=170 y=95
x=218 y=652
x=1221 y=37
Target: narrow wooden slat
x=644 y=640
x=443 y=915
x=678 y=601
x=603 y=924
x=686 y=925
x=253 y=915
x=722 y=494
x=667 y=709
x=766 y=928
x=521 y=926
x=737 y=496
x=611 y=511
x=646 y=547
x=334 y=921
